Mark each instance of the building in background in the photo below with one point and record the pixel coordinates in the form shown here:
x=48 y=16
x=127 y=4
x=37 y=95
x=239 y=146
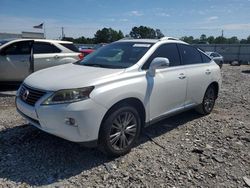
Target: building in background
x=24 y=34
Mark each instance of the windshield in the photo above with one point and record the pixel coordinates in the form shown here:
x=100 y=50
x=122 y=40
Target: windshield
x=116 y=55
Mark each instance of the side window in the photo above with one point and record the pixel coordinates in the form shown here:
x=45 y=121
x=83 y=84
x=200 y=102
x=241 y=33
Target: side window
x=169 y=51
x=216 y=55
x=213 y=55
x=189 y=54
x=18 y=48
x=70 y=47
x=205 y=58
x=45 y=48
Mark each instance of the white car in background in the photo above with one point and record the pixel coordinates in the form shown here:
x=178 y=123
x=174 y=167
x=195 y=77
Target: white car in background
x=219 y=59
x=21 y=57
x=107 y=98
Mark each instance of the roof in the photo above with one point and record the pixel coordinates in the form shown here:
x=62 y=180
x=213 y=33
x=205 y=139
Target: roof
x=43 y=40
x=139 y=40
x=151 y=40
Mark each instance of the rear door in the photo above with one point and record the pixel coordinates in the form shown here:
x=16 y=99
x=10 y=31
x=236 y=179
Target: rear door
x=198 y=73
x=15 y=61
x=46 y=55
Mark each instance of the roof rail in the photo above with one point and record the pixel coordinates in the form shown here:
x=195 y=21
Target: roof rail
x=168 y=38
x=127 y=38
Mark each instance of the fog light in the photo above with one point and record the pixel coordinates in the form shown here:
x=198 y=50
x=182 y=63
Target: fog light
x=70 y=121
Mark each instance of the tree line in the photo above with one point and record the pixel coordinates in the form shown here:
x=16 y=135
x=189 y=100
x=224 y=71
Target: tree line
x=107 y=35
x=215 y=40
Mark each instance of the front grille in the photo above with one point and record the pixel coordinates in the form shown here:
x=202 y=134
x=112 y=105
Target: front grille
x=30 y=95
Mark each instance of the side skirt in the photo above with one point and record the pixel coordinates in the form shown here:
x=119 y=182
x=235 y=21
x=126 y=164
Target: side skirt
x=170 y=113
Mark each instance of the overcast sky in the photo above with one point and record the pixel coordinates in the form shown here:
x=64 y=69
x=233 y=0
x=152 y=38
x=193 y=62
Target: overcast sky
x=84 y=17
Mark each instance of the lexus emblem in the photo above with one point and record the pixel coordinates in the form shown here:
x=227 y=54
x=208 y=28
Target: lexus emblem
x=25 y=95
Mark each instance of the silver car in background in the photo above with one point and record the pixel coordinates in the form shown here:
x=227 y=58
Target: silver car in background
x=216 y=57
x=21 y=57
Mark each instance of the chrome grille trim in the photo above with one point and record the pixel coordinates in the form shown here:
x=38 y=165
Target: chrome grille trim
x=33 y=96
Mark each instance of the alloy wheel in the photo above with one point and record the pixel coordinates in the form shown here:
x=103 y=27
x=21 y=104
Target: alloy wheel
x=209 y=100
x=123 y=130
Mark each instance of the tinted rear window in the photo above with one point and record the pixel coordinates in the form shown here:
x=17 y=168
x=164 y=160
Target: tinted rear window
x=70 y=47
x=205 y=58
x=45 y=48
x=189 y=54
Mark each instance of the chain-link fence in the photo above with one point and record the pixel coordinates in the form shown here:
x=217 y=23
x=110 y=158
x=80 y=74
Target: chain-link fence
x=230 y=52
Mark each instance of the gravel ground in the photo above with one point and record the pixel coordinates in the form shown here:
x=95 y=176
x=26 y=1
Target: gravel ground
x=186 y=150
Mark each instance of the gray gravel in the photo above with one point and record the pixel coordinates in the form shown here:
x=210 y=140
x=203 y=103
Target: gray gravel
x=186 y=150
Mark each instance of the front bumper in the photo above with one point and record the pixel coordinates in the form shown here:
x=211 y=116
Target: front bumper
x=87 y=114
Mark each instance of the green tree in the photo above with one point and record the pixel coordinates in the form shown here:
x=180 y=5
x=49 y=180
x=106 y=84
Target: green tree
x=203 y=38
x=220 y=40
x=143 y=32
x=210 y=39
x=80 y=40
x=68 y=39
x=233 y=40
x=243 y=41
x=187 y=39
x=159 y=34
x=248 y=39
x=107 y=35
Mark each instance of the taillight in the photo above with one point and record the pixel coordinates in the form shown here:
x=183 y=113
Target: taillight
x=81 y=56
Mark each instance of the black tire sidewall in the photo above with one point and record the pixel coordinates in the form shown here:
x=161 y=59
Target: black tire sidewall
x=203 y=103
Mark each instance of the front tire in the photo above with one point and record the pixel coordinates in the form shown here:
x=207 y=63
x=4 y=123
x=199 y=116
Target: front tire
x=120 y=130
x=208 y=102
x=221 y=64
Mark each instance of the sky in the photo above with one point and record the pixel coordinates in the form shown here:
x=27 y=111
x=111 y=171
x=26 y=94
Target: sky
x=84 y=17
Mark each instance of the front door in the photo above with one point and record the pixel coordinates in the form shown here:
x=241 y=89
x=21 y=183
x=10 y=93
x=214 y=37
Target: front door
x=168 y=86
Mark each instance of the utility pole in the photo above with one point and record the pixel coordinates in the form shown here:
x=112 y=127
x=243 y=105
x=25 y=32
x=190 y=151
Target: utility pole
x=63 y=32
x=222 y=33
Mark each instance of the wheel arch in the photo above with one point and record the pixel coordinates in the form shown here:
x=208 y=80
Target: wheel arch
x=215 y=85
x=132 y=101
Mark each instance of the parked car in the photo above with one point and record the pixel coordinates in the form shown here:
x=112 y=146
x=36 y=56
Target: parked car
x=86 y=50
x=216 y=57
x=235 y=63
x=18 y=58
x=108 y=97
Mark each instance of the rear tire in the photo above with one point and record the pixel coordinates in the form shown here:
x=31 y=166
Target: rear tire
x=208 y=102
x=119 y=131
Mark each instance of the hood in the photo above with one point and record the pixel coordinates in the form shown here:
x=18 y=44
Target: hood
x=69 y=76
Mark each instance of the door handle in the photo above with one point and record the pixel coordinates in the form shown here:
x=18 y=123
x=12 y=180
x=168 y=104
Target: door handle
x=208 y=72
x=56 y=56
x=182 y=76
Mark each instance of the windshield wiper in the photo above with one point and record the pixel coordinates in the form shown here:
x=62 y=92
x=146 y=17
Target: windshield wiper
x=94 y=65
x=104 y=66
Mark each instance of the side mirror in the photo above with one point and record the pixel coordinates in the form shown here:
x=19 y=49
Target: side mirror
x=158 y=63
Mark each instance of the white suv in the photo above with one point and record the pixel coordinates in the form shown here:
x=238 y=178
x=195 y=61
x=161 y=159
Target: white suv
x=106 y=98
x=19 y=58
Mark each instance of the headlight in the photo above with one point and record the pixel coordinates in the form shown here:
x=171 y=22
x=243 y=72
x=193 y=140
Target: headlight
x=69 y=96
